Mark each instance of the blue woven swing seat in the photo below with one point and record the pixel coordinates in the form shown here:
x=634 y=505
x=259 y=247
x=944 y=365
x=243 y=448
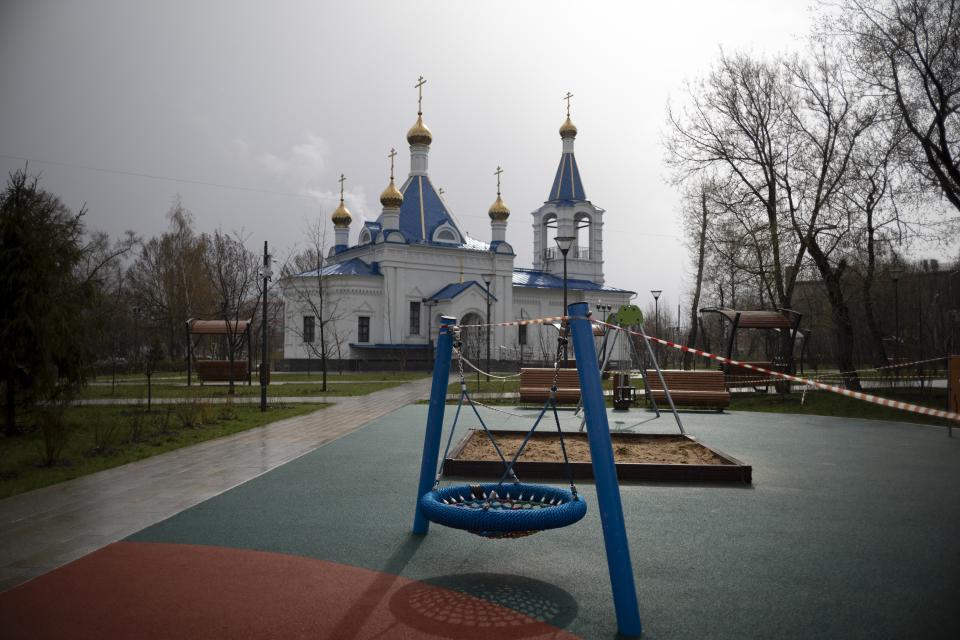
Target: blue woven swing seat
x=503 y=511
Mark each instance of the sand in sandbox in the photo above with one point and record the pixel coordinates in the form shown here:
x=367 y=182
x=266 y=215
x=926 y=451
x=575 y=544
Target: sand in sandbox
x=636 y=450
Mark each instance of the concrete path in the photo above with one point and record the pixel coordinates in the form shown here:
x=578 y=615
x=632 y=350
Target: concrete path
x=49 y=527
x=212 y=400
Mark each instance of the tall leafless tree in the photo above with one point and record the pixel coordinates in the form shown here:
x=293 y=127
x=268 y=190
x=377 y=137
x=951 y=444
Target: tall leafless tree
x=909 y=52
x=308 y=284
x=231 y=269
x=168 y=279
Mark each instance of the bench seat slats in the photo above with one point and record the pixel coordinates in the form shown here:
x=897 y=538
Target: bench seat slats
x=704 y=389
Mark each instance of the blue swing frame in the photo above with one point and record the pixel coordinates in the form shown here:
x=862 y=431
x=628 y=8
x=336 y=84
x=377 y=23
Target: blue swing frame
x=601 y=453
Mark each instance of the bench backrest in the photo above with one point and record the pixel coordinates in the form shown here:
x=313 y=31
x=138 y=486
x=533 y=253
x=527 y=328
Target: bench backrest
x=543 y=377
x=687 y=380
x=736 y=370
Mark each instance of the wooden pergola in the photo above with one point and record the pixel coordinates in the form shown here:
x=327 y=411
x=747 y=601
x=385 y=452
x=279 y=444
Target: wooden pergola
x=783 y=321
x=219 y=370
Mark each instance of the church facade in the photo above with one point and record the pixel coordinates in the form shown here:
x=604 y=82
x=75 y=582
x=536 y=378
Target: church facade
x=384 y=295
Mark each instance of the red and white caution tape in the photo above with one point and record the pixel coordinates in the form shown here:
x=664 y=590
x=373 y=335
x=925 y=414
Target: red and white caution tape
x=889 y=366
x=866 y=397
x=519 y=323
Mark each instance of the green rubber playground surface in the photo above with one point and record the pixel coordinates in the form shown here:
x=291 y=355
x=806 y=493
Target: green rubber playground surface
x=848 y=531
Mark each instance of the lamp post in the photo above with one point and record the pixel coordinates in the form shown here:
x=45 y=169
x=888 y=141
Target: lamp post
x=429 y=304
x=488 y=280
x=564 y=243
x=895 y=274
x=264 y=357
x=136 y=338
x=656 y=306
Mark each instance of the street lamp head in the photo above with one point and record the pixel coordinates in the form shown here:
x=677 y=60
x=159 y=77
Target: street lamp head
x=656 y=293
x=564 y=243
x=488 y=278
x=895 y=273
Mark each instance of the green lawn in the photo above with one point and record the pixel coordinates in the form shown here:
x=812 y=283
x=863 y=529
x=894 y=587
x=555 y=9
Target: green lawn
x=314 y=376
x=97 y=438
x=168 y=389
x=824 y=403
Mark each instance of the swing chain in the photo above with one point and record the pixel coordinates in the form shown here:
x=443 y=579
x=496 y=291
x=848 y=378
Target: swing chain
x=458 y=347
x=562 y=342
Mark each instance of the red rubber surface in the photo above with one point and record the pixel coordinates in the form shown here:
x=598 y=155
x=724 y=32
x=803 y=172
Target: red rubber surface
x=147 y=590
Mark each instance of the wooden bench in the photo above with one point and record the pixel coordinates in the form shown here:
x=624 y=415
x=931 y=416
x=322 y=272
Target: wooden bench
x=535 y=385
x=698 y=389
x=219 y=370
x=737 y=376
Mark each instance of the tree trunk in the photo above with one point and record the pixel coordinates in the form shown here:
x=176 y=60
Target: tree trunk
x=876 y=335
x=840 y=313
x=10 y=428
x=323 y=340
x=692 y=335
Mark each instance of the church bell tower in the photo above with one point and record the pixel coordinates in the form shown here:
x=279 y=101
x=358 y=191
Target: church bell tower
x=567 y=212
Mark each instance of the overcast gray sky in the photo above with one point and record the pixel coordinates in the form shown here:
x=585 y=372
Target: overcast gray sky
x=281 y=97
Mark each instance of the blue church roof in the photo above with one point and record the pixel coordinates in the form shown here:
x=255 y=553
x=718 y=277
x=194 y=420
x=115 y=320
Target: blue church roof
x=567 y=186
x=352 y=267
x=543 y=280
x=423 y=211
x=454 y=289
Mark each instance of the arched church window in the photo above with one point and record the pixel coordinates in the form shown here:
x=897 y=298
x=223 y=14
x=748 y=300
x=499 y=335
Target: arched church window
x=581 y=227
x=364 y=237
x=446 y=235
x=548 y=232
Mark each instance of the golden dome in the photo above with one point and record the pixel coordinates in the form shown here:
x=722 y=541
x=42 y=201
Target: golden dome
x=341 y=216
x=567 y=129
x=391 y=198
x=418 y=133
x=499 y=211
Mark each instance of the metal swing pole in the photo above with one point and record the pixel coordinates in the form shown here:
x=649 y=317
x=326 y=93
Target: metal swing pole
x=605 y=474
x=438 y=399
x=643 y=374
x=666 y=390
x=603 y=367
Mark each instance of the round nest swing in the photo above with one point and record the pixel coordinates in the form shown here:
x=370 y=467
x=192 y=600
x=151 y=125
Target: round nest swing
x=503 y=511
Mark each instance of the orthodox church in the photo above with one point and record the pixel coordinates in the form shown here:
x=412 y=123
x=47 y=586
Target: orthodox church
x=384 y=295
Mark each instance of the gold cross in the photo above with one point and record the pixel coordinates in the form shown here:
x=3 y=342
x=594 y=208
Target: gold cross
x=567 y=98
x=342 y=180
x=392 y=155
x=497 y=173
x=419 y=88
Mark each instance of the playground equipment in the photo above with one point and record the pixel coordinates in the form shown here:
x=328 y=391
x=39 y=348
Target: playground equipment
x=495 y=511
x=470 y=513
x=627 y=316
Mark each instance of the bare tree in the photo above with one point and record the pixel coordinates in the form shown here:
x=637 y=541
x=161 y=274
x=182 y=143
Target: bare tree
x=231 y=269
x=306 y=279
x=738 y=125
x=909 y=52
x=696 y=219
x=828 y=117
x=871 y=194
x=168 y=279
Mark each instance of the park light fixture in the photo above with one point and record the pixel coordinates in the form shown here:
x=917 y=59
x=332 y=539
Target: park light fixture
x=564 y=243
x=488 y=280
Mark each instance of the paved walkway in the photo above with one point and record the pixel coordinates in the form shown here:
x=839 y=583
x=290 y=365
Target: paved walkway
x=49 y=527
x=213 y=400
